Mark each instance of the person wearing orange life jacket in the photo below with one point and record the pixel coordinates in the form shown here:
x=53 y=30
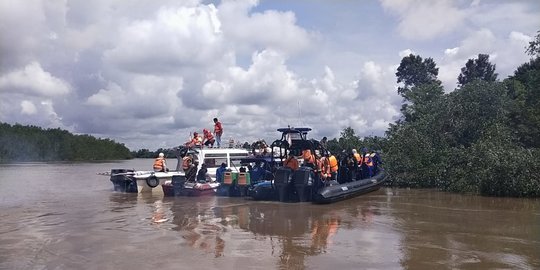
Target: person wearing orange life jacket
x=208 y=138
x=160 y=164
x=368 y=161
x=190 y=167
x=324 y=168
x=196 y=140
x=357 y=157
x=187 y=162
x=218 y=130
x=309 y=159
x=364 y=170
x=359 y=160
x=376 y=158
x=291 y=162
x=333 y=166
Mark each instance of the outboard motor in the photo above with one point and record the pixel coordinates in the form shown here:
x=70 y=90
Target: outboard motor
x=302 y=183
x=178 y=182
x=282 y=179
x=122 y=181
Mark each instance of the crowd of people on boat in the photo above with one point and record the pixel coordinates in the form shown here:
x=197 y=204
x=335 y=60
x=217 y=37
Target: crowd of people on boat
x=356 y=166
x=346 y=167
x=207 y=138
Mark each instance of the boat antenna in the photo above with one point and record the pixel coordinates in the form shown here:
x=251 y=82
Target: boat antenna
x=301 y=119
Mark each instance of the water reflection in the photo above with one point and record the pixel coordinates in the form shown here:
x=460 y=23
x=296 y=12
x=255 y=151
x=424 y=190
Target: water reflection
x=411 y=229
x=467 y=232
x=199 y=227
x=289 y=232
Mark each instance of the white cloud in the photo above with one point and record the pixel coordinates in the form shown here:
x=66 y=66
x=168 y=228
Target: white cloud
x=183 y=36
x=505 y=53
x=27 y=107
x=451 y=52
x=33 y=80
x=425 y=19
x=406 y=52
x=481 y=41
x=248 y=31
x=149 y=72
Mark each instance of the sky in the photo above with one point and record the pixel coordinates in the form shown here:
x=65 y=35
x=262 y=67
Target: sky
x=149 y=73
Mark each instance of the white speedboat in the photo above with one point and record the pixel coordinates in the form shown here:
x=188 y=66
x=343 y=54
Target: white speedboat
x=126 y=180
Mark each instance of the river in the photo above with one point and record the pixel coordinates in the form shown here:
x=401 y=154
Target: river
x=65 y=216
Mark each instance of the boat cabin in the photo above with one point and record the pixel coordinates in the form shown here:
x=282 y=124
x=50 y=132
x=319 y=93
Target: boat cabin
x=213 y=157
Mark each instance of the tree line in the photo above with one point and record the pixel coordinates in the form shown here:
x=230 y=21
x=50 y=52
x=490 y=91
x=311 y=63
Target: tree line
x=32 y=143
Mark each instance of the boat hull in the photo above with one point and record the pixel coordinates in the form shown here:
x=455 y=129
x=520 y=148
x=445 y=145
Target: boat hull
x=179 y=187
x=263 y=191
x=348 y=190
x=268 y=191
x=131 y=181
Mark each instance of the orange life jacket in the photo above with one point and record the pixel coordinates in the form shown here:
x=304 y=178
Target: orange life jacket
x=333 y=163
x=308 y=157
x=368 y=161
x=324 y=167
x=159 y=164
x=197 y=140
x=218 y=129
x=186 y=162
x=292 y=163
x=208 y=136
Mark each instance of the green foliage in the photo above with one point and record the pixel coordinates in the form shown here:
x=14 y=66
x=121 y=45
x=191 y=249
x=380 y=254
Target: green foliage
x=481 y=138
x=472 y=109
x=414 y=71
x=497 y=166
x=477 y=69
x=144 y=153
x=31 y=143
x=534 y=46
x=421 y=100
x=524 y=108
x=348 y=141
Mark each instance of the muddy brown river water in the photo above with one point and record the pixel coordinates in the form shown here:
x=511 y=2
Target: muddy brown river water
x=65 y=216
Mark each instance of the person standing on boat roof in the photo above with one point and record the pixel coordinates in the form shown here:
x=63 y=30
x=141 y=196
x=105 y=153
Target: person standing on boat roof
x=208 y=138
x=218 y=130
x=160 y=165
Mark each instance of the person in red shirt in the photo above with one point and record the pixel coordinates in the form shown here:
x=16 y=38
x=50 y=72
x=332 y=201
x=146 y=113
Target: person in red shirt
x=218 y=130
x=208 y=138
